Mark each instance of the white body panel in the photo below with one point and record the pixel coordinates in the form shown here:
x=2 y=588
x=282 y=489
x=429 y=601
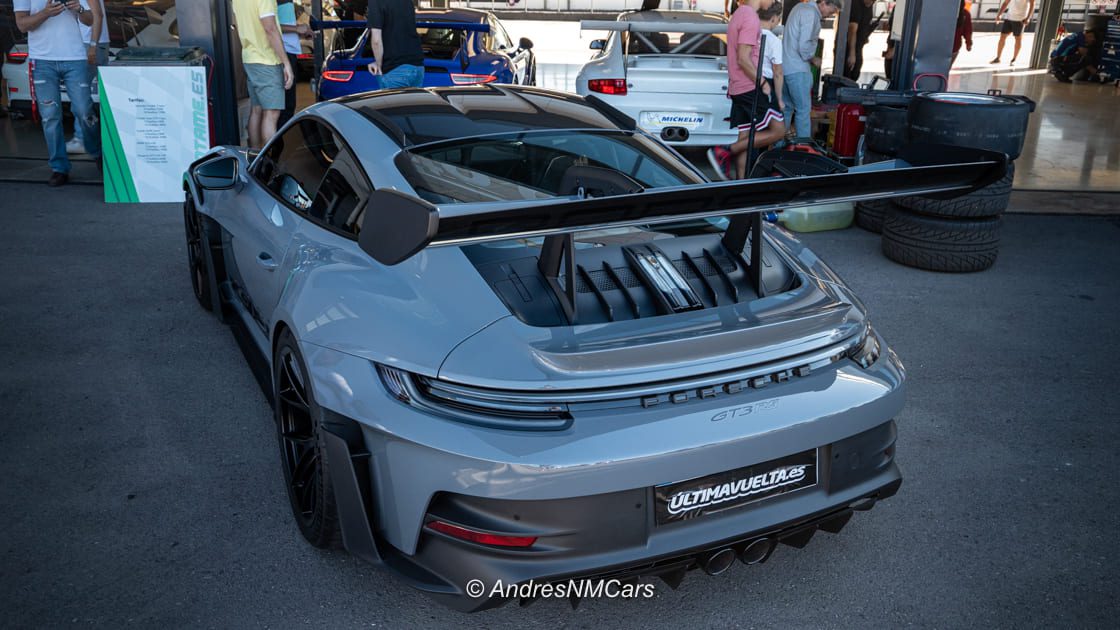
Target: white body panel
x=686 y=91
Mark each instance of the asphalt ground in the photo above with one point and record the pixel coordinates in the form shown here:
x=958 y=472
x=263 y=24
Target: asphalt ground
x=142 y=483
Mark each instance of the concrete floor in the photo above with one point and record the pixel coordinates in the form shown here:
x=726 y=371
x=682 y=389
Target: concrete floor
x=1073 y=142
x=142 y=483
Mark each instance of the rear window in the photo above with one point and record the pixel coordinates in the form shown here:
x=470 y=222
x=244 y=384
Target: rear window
x=440 y=43
x=532 y=165
x=437 y=43
x=658 y=43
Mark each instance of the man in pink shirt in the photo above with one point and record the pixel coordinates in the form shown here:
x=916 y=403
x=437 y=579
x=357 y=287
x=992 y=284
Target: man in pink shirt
x=744 y=32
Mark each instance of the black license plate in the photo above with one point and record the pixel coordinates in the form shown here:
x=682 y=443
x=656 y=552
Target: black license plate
x=689 y=499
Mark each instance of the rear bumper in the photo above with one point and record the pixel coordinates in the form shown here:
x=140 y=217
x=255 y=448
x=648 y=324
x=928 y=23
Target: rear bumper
x=703 y=138
x=612 y=536
x=586 y=492
x=716 y=110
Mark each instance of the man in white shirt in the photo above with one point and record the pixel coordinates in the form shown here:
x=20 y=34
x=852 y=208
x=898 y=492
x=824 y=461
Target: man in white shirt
x=1018 y=15
x=59 y=56
x=97 y=54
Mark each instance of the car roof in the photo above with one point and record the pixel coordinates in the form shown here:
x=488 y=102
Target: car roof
x=452 y=15
x=417 y=116
x=689 y=17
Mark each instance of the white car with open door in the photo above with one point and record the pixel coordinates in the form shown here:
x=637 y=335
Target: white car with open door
x=665 y=69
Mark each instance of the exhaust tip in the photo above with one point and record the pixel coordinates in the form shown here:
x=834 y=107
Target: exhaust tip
x=716 y=562
x=757 y=551
x=674 y=134
x=863 y=504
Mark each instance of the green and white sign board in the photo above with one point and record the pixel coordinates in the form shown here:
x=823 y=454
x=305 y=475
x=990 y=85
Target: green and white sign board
x=154 y=123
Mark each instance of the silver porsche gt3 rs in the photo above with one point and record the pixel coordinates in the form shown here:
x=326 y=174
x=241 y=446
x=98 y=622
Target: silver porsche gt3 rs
x=510 y=337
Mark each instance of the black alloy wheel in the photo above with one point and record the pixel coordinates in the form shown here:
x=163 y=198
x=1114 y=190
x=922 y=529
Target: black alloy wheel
x=302 y=452
x=197 y=259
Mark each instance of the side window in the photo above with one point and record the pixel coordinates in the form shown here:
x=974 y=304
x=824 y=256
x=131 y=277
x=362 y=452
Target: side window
x=340 y=200
x=294 y=164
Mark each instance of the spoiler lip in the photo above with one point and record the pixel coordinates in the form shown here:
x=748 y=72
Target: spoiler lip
x=403 y=224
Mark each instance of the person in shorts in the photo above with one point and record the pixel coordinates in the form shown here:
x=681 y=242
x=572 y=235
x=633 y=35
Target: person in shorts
x=748 y=108
x=1016 y=14
x=267 y=69
x=772 y=53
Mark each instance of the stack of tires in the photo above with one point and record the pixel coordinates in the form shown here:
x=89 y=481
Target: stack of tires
x=885 y=132
x=960 y=234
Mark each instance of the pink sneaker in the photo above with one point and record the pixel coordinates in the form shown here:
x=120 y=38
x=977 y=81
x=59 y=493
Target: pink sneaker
x=720 y=158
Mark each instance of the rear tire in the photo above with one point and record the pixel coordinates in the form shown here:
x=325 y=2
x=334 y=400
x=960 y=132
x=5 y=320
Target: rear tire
x=989 y=201
x=886 y=131
x=198 y=258
x=871 y=214
x=953 y=245
x=980 y=121
x=303 y=452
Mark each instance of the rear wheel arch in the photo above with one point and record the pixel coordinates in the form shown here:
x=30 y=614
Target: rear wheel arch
x=303 y=445
x=278 y=330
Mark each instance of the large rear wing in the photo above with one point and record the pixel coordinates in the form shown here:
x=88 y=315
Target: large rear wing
x=398 y=225
x=644 y=26
x=643 y=31
x=323 y=25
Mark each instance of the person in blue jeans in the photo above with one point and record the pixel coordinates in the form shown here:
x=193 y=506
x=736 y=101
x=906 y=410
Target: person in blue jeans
x=97 y=55
x=58 y=53
x=799 y=52
x=397 y=55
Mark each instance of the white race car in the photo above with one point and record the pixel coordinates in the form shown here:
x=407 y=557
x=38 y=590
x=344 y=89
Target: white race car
x=665 y=69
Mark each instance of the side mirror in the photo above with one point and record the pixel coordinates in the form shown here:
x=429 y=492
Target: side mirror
x=598 y=44
x=525 y=43
x=219 y=174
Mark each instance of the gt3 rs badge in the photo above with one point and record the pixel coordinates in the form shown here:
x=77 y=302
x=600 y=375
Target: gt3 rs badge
x=689 y=499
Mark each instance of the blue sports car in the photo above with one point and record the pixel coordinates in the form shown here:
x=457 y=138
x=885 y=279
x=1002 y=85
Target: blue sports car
x=461 y=47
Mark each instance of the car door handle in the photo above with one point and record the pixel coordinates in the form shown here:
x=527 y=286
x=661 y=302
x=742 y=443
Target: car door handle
x=266 y=260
